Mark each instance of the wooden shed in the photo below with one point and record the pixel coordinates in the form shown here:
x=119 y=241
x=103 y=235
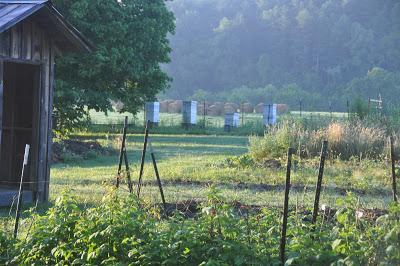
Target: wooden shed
x=32 y=34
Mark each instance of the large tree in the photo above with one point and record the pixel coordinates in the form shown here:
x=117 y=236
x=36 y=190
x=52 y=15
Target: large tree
x=131 y=41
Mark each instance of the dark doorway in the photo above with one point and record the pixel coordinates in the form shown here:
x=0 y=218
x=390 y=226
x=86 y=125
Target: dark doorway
x=20 y=121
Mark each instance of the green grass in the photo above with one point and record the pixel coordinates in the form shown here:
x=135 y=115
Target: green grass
x=188 y=164
x=170 y=123
x=166 y=119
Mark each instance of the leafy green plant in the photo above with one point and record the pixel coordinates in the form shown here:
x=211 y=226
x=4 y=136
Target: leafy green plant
x=124 y=231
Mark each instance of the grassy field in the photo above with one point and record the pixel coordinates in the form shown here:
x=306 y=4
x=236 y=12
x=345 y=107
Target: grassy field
x=175 y=119
x=166 y=119
x=189 y=164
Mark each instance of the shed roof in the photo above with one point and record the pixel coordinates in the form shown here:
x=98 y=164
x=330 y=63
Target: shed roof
x=47 y=16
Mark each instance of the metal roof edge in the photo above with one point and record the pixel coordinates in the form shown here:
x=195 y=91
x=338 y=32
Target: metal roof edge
x=18 y=19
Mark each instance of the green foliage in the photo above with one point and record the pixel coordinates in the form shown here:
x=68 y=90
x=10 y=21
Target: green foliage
x=333 y=50
x=346 y=140
x=130 y=38
x=242 y=161
x=289 y=94
x=121 y=231
x=275 y=141
x=359 y=108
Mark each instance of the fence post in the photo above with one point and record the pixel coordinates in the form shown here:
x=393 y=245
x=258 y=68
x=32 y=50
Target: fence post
x=319 y=181
x=393 y=160
x=285 y=206
x=153 y=158
x=146 y=135
x=121 y=152
x=21 y=190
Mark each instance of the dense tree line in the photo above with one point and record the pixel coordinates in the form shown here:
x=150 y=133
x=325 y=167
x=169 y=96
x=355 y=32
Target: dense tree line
x=321 y=51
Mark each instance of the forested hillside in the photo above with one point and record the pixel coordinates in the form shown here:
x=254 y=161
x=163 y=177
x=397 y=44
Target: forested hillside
x=321 y=51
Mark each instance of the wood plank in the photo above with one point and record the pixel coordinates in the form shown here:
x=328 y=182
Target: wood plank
x=1 y=102
x=26 y=40
x=36 y=131
x=16 y=38
x=50 y=117
x=44 y=114
x=36 y=42
x=5 y=43
x=20 y=61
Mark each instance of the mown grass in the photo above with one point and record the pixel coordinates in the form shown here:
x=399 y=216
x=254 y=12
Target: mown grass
x=188 y=164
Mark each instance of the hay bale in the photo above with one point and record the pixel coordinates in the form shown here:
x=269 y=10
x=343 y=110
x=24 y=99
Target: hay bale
x=175 y=107
x=200 y=107
x=215 y=110
x=231 y=107
x=259 y=108
x=282 y=108
x=219 y=105
x=248 y=108
x=164 y=106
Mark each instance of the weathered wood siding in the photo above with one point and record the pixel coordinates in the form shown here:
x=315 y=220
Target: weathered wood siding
x=27 y=43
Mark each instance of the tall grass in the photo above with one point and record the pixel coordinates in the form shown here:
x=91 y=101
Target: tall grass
x=346 y=140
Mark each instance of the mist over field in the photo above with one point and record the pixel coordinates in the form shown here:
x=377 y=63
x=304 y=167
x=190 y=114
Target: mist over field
x=322 y=52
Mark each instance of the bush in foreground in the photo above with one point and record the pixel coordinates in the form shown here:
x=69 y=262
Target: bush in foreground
x=121 y=231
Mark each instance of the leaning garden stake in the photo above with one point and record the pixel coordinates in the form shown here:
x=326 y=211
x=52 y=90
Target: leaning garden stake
x=123 y=156
x=147 y=142
x=285 y=206
x=20 y=192
x=153 y=158
x=393 y=159
x=146 y=136
x=319 y=181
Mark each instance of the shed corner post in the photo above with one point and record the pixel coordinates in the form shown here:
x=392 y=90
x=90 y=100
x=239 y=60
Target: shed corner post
x=1 y=100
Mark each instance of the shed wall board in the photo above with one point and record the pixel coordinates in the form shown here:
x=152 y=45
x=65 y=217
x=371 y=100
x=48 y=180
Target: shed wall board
x=1 y=103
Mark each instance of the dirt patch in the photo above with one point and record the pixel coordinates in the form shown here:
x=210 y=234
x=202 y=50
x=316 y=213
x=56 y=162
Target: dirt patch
x=65 y=150
x=191 y=208
x=272 y=163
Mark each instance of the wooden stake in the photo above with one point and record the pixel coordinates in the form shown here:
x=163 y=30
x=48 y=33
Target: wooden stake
x=393 y=161
x=153 y=158
x=128 y=172
x=146 y=135
x=122 y=151
x=285 y=206
x=20 y=192
x=319 y=181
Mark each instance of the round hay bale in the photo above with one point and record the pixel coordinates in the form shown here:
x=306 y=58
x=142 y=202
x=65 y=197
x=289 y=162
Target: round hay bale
x=164 y=106
x=175 y=107
x=259 y=108
x=215 y=110
x=200 y=107
x=248 y=108
x=231 y=108
x=219 y=105
x=282 y=108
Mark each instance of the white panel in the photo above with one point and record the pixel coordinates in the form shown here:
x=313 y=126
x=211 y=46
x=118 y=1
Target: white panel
x=270 y=114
